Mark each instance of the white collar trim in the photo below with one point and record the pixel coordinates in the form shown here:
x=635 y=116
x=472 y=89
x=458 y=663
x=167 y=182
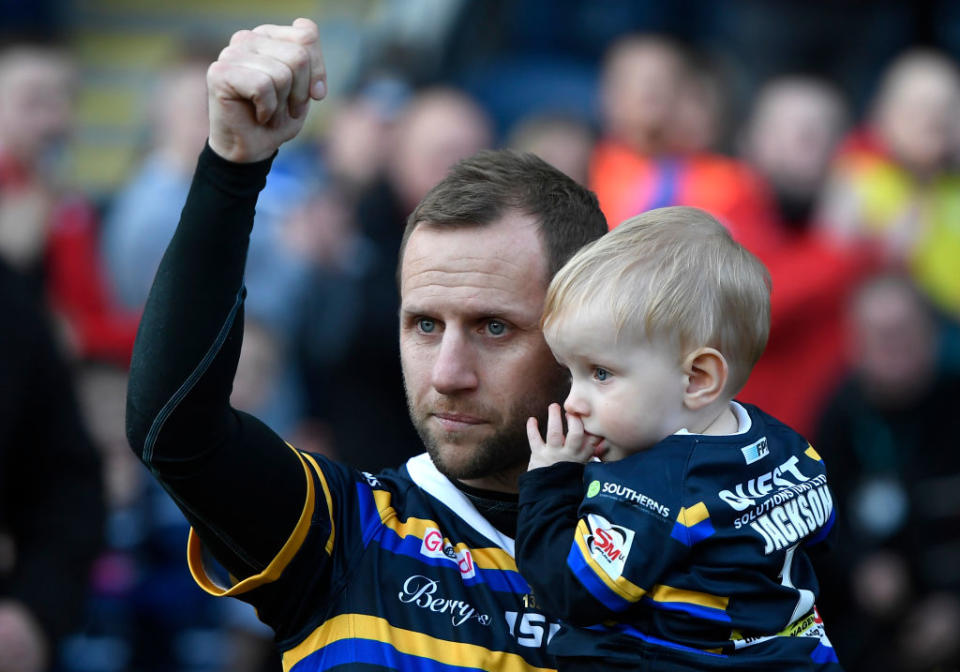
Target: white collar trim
x=428 y=478
x=743 y=421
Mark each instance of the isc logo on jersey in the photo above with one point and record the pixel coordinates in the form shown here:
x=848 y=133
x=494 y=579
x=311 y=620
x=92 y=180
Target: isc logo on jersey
x=609 y=544
x=435 y=546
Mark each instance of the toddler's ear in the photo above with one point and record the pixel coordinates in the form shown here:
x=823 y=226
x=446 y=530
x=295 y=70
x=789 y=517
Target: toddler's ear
x=706 y=370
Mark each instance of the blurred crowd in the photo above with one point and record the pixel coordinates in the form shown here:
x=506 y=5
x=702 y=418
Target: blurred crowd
x=836 y=163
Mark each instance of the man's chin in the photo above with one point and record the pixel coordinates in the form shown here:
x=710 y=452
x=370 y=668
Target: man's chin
x=455 y=460
x=477 y=459
x=473 y=452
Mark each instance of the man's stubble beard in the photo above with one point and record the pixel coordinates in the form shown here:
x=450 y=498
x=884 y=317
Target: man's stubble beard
x=508 y=448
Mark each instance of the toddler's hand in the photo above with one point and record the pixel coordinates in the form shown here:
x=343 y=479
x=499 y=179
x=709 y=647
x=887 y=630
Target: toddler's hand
x=574 y=447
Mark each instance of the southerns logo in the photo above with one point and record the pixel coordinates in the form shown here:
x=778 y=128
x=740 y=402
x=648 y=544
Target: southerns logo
x=421 y=591
x=593 y=489
x=435 y=546
x=616 y=490
x=756 y=451
x=609 y=544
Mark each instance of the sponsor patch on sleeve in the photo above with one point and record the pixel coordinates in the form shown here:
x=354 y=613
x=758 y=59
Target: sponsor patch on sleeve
x=609 y=544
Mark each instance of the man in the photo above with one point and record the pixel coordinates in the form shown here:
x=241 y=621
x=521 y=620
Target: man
x=413 y=568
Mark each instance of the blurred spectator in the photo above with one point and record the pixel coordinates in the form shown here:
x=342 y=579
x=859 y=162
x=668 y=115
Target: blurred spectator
x=699 y=112
x=350 y=314
x=640 y=87
x=141 y=220
x=892 y=592
x=790 y=138
x=145 y=612
x=357 y=144
x=894 y=186
x=639 y=164
x=51 y=507
x=563 y=142
x=45 y=232
x=440 y=127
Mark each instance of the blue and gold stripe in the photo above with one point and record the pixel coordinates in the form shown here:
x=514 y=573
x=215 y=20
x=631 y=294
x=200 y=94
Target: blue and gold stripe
x=702 y=605
x=273 y=571
x=615 y=594
x=359 y=639
x=633 y=632
x=494 y=567
x=328 y=547
x=693 y=525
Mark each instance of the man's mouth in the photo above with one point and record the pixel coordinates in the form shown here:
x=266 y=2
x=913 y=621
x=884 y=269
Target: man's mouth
x=457 y=421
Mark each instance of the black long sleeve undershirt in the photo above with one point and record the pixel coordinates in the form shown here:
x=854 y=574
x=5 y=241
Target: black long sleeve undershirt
x=235 y=480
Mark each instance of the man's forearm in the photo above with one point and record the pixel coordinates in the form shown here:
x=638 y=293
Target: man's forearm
x=188 y=340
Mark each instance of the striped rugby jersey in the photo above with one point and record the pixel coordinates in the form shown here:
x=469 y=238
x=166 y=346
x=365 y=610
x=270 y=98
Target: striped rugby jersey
x=392 y=572
x=693 y=548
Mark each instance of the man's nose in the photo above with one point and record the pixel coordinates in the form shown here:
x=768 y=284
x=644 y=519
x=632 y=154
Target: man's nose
x=454 y=369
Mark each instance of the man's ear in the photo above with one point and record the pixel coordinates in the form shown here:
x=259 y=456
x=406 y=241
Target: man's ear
x=707 y=371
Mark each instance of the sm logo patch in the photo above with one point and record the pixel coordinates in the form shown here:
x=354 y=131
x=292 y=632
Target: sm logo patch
x=609 y=544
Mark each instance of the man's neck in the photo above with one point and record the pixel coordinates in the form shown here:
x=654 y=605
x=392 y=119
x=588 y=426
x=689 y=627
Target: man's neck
x=499 y=508
x=504 y=482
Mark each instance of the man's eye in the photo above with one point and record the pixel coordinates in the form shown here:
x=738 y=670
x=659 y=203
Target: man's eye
x=426 y=325
x=496 y=328
x=601 y=374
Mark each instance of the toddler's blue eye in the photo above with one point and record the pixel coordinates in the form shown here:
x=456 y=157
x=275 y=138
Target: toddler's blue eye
x=601 y=374
x=426 y=325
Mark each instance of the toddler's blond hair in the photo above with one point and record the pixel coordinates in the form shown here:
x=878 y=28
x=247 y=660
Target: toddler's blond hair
x=674 y=274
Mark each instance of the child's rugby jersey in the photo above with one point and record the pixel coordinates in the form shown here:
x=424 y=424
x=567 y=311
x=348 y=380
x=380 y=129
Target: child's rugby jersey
x=694 y=548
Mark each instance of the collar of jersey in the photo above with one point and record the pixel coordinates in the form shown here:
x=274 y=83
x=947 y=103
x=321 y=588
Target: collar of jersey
x=428 y=478
x=743 y=420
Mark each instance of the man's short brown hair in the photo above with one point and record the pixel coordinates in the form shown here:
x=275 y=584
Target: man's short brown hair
x=481 y=189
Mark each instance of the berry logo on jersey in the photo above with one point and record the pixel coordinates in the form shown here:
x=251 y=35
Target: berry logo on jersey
x=421 y=591
x=609 y=544
x=435 y=546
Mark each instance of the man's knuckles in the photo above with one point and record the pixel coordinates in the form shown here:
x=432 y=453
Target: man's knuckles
x=304 y=31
